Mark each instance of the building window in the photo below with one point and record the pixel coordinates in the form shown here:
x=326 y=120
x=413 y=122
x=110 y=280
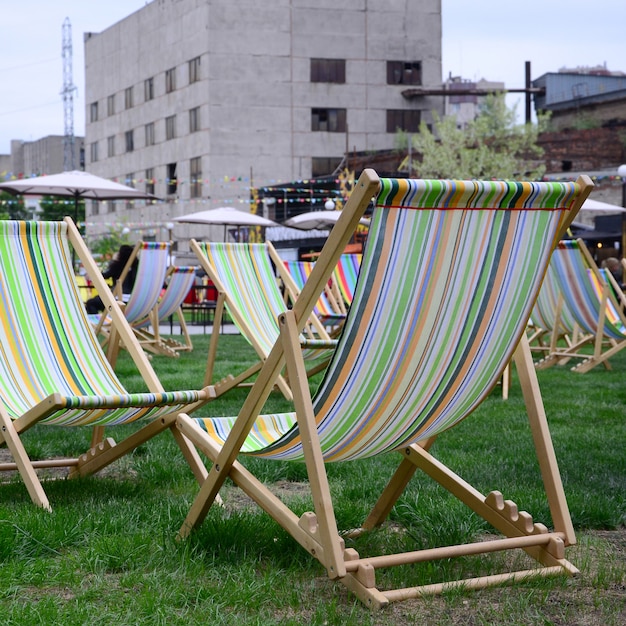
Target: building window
x=111 y=105
x=149 y=134
x=128 y=97
x=171 y=181
x=93 y=112
x=170 y=127
x=148 y=89
x=150 y=181
x=195 y=175
x=403 y=119
x=94 y=151
x=194 y=70
x=328 y=120
x=130 y=140
x=328 y=70
x=404 y=73
x=111 y=146
x=170 y=80
x=323 y=166
x=194 y=119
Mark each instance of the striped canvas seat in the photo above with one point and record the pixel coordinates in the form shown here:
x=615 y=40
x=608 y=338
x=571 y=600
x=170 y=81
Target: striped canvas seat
x=52 y=368
x=551 y=318
x=591 y=300
x=180 y=280
x=327 y=308
x=345 y=276
x=248 y=287
x=448 y=279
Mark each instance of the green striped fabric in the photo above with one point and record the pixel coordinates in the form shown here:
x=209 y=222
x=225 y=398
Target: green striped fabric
x=246 y=272
x=448 y=279
x=47 y=345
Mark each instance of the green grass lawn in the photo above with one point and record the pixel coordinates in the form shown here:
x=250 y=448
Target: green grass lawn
x=107 y=553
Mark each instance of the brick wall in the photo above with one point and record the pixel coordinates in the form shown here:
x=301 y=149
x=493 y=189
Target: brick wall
x=584 y=150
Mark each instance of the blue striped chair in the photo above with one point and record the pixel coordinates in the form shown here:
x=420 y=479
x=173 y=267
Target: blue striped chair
x=180 y=280
x=449 y=276
x=327 y=308
x=589 y=296
x=52 y=367
x=153 y=261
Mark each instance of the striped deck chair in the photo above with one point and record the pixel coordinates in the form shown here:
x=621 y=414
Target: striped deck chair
x=52 y=367
x=327 y=308
x=345 y=276
x=551 y=318
x=247 y=287
x=180 y=280
x=154 y=259
x=589 y=296
x=449 y=276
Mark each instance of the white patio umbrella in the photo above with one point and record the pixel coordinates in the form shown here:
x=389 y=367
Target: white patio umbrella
x=605 y=207
x=75 y=184
x=225 y=216
x=323 y=220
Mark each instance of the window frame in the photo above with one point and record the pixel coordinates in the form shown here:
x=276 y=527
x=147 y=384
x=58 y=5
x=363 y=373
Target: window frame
x=170 y=80
x=329 y=120
x=149 y=134
x=148 y=89
x=170 y=127
x=128 y=98
x=407 y=120
x=328 y=70
x=404 y=72
x=194 y=70
x=129 y=140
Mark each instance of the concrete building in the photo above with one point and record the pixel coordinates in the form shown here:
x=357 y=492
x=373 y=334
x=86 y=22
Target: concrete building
x=198 y=101
x=39 y=157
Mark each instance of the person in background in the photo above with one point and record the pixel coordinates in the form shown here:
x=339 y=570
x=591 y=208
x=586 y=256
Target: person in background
x=114 y=271
x=615 y=267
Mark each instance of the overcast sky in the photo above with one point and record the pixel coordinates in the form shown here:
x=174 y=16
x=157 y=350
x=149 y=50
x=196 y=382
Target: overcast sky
x=489 y=39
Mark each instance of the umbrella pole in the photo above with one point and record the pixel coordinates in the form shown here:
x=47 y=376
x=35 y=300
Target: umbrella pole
x=76 y=224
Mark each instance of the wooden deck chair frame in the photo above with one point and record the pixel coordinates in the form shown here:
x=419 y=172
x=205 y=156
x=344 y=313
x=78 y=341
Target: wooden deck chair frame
x=317 y=531
x=315 y=338
x=595 y=301
x=65 y=322
x=179 y=281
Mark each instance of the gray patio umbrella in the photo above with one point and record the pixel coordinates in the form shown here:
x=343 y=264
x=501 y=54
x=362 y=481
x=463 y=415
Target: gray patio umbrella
x=76 y=184
x=225 y=216
x=322 y=220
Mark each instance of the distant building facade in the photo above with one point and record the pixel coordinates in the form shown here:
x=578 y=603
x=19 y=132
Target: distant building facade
x=465 y=107
x=39 y=157
x=581 y=97
x=198 y=101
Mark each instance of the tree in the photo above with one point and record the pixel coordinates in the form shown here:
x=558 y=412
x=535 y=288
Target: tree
x=492 y=146
x=55 y=208
x=12 y=207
